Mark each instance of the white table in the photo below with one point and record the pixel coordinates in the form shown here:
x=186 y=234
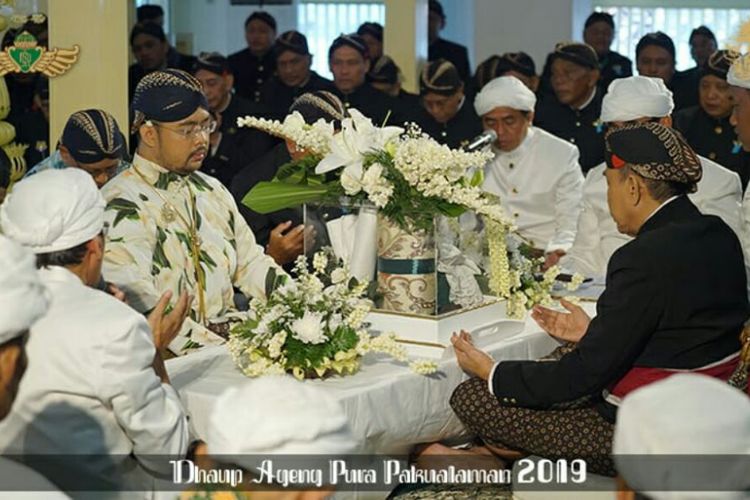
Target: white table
x=389 y=408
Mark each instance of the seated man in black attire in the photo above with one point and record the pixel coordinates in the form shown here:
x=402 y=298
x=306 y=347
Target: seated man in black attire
x=446 y=116
x=348 y=59
x=282 y=233
x=675 y=301
x=655 y=56
x=294 y=75
x=152 y=52
x=518 y=64
x=572 y=111
x=232 y=148
x=372 y=34
x=706 y=127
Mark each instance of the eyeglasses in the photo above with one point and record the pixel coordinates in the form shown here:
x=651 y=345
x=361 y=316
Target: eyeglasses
x=188 y=131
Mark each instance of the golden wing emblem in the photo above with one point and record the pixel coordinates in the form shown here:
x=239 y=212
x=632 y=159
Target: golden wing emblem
x=57 y=61
x=7 y=65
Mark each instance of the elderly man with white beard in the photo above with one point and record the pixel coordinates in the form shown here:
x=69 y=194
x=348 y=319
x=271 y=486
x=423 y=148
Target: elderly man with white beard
x=641 y=98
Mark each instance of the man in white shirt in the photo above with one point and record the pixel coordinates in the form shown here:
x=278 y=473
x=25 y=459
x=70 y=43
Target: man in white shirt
x=535 y=174
x=96 y=382
x=25 y=300
x=642 y=98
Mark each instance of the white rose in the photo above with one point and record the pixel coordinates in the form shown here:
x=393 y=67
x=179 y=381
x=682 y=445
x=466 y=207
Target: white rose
x=350 y=184
x=309 y=328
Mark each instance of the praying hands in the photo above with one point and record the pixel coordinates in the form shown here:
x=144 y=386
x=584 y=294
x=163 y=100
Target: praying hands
x=569 y=327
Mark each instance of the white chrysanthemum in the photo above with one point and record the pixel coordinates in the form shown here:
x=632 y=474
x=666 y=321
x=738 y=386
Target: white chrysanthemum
x=309 y=328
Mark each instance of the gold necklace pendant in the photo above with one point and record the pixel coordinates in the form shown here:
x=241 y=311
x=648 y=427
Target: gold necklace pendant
x=167 y=214
x=718 y=129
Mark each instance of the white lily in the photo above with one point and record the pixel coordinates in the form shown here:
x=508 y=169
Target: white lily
x=358 y=136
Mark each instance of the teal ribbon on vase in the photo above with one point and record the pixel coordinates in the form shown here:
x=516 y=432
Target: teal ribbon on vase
x=406 y=266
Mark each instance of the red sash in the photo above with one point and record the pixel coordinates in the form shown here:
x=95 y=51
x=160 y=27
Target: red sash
x=639 y=376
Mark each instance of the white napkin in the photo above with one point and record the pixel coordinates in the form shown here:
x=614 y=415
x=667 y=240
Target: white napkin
x=354 y=239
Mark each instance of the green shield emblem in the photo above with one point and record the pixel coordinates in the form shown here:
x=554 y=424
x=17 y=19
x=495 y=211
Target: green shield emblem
x=25 y=58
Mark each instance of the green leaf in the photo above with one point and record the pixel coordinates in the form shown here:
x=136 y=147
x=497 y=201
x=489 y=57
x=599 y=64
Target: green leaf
x=206 y=259
x=159 y=260
x=270 y=281
x=478 y=178
x=199 y=183
x=450 y=209
x=267 y=197
x=125 y=209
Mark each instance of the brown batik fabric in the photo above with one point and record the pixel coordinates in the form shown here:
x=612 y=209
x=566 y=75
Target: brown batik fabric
x=554 y=434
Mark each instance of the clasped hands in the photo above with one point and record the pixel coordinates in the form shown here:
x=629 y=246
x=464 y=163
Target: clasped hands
x=568 y=326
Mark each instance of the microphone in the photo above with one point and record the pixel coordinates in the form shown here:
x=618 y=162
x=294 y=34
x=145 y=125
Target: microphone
x=484 y=139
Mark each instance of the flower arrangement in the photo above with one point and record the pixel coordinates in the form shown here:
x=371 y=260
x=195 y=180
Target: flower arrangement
x=312 y=327
x=411 y=178
x=512 y=266
x=406 y=174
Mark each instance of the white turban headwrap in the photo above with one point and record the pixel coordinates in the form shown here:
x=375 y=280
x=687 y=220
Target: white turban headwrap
x=277 y=415
x=636 y=97
x=504 y=92
x=685 y=414
x=53 y=210
x=739 y=72
x=23 y=297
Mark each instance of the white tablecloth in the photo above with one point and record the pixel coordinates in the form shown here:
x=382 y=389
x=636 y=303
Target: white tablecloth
x=389 y=407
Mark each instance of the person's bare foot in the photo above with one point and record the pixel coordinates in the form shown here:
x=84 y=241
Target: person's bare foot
x=504 y=452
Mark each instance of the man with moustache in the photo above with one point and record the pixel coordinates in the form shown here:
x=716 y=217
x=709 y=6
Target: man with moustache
x=173 y=228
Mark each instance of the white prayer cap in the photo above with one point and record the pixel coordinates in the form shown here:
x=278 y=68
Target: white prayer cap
x=54 y=210
x=685 y=414
x=277 y=415
x=636 y=97
x=739 y=72
x=23 y=297
x=504 y=92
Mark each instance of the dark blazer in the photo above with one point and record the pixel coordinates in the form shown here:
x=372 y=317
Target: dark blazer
x=675 y=297
x=374 y=104
x=458 y=131
x=276 y=97
x=263 y=169
x=239 y=146
x=713 y=138
x=613 y=66
x=251 y=71
x=577 y=126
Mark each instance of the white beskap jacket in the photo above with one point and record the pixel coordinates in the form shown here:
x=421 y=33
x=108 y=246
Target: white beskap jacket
x=539 y=184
